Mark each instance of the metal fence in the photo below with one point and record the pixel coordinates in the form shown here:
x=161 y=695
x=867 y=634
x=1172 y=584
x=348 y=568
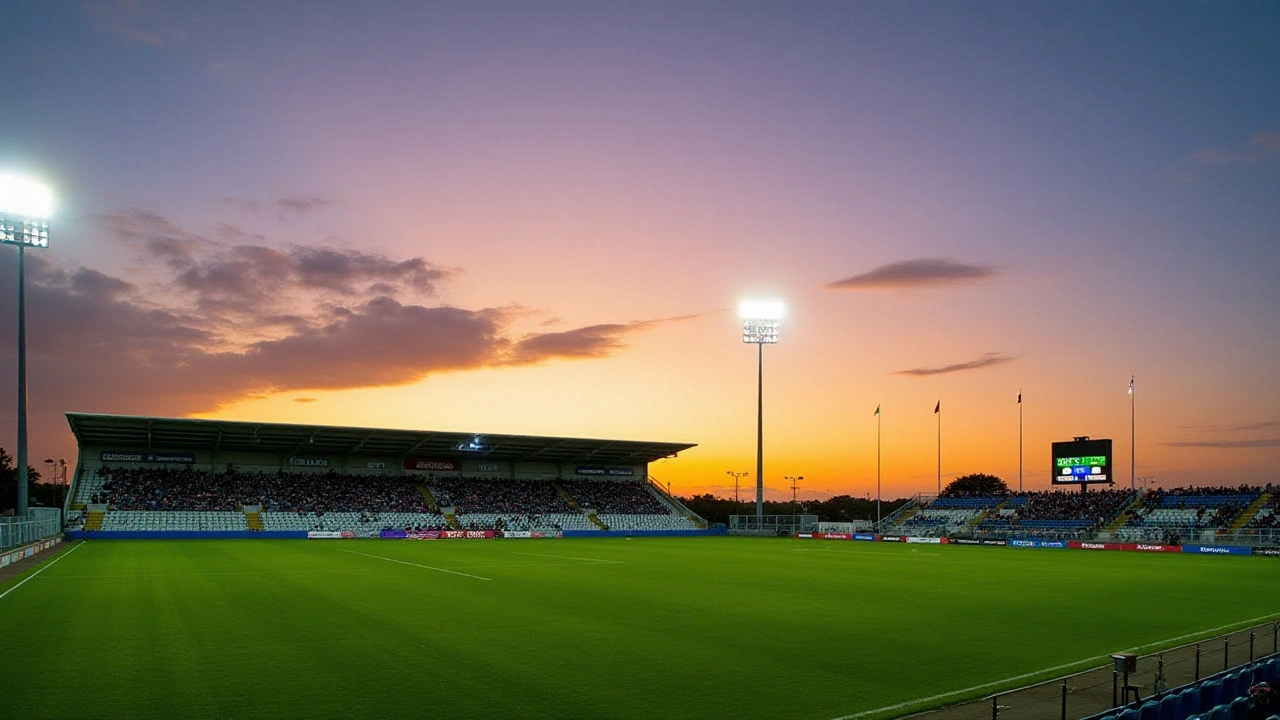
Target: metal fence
x=772 y=524
x=1100 y=689
x=37 y=524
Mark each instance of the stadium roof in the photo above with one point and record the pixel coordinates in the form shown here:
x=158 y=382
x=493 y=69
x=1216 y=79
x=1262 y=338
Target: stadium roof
x=152 y=434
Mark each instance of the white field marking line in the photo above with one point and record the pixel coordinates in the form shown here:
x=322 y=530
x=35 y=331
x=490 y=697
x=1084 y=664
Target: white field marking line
x=424 y=567
x=195 y=574
x=994 y=683
x=566 y=557
x=534 y=565
x=46 y=567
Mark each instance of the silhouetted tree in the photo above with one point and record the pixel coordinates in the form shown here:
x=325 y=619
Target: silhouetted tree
x=976 y=485
x=9 y=484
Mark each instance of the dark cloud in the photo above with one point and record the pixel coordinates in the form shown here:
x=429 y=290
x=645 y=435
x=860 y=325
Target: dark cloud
x=304 y=203
x=218 y=323
x=1245 y=427
x=1263 y=146
x=918 y=273
x=591 y=341
x=305 y=399
x=987 y=360
x=1236 y=444
x=133 y=21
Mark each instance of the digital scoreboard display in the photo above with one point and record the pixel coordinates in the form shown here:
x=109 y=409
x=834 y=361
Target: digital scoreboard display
x=1082 y=461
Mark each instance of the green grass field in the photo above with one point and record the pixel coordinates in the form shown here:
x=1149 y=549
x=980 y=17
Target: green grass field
x=652 y=628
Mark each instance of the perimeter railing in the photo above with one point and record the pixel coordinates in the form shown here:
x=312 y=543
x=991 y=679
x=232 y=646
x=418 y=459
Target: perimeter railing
x=37 y=524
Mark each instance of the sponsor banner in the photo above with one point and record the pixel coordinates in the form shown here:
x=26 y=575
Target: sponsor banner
x=466 y=534
x=965 y=541
x=423 y=534
x=517 y=534
x=539 y=534
x=924 y=540
x=1217 y=549
x=622 y=471
x=892 y=538
x=1151 y=547
x=1086 y=545
x=309 y=462
x=1270 y=551
x=1001 y=543
x=375 y=465
x=1038 y=543
x=863 y=536
x=431 y=464
x=324 y=535
x=602 y=470
x=487 y=467
x=804 y=536
x=393 y=534
x=115 y=456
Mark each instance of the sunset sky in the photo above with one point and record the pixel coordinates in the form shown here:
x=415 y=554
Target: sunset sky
x=540 y=217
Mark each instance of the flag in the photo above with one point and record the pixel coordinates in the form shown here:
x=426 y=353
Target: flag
x=1019 y=397
x=877 y=412
x=1130 y=384
x=937 y=407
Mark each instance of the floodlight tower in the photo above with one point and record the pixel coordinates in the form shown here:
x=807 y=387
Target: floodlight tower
x=24 y=221
x=760 y=326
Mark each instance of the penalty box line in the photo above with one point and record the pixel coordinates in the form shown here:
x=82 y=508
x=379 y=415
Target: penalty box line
x=1024 y=676
x=46 y=567
x=417 y=565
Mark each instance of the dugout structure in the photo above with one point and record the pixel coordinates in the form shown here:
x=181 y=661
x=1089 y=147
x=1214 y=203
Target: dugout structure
x=220 y=445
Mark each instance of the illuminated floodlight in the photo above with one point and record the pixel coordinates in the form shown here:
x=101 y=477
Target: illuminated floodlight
x=25 y=207
x=760 y=320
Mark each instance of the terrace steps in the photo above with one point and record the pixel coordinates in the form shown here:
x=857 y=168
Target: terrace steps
x=1123 y=517
x=425 y=492
x=564 y=493
x=597 y=521
x=93 y=520
x=253 y=520
x=1251 y=511
x=451 y=517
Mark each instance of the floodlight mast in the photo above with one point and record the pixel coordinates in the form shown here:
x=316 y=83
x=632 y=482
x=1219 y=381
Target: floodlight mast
x=760 y=326
x=25 y=207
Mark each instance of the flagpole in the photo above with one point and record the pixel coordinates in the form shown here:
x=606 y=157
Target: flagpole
x=877 y=468
x=938 y=412
x=1019 y=439
x=1133 y=445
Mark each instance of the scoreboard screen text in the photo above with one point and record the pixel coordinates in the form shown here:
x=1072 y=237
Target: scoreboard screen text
x=1082 y=461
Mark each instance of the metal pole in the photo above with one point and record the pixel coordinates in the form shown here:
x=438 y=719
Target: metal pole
x=878 y=468
x=1250 y=646
x=1226 y=652
x=1064 y=700
x=1133 y=442
x=995 y=709
x=760 y=436
x=1197 y=662
x=1115 y=698
x=1019 y=439
x=939 y=414
x=21 y=509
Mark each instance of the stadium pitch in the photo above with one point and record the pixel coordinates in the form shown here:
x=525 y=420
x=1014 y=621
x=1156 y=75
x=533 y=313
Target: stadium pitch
x=652 y=628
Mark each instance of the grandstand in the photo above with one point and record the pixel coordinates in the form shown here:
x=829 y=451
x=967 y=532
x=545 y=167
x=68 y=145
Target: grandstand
x=140 y=475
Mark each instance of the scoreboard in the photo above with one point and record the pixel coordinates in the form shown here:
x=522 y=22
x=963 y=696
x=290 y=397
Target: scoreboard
x=1082 y=461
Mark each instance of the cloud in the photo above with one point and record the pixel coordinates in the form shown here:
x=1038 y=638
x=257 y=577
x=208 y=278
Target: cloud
x=987 y=360
x=304 y=204
x=1262 y=147
x=305 y=399
x=133 y=21
x=211 y=322
x=1237 y=444
x=918 y=273
x=592 y=341
x=1246 y=427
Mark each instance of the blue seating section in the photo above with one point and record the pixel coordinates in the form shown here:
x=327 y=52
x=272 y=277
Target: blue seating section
x=966 y=503
x=1222 y=697
x=1193 y=501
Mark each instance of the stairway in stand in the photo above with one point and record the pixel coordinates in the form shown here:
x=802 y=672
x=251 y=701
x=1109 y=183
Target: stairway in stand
x=93 y=520
x=1251 y=511
x=253 y=520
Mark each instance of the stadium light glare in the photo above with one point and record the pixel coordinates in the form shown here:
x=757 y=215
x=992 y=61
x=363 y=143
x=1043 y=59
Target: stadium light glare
x=760 y=327
x=25 y=207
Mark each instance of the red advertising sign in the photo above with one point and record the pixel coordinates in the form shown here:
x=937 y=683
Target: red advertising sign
x=466 y=534
x=430 y=464
x=1152 y=547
